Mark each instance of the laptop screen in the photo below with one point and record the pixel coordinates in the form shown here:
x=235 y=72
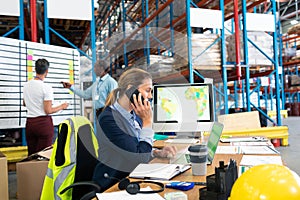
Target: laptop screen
x=213 y=140
x=182 y=157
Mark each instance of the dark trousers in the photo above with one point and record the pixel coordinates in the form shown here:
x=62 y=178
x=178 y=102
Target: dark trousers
x=39 y=133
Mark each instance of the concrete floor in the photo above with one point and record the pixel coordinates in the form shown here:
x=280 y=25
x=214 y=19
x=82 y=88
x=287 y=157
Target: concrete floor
x=288 y=153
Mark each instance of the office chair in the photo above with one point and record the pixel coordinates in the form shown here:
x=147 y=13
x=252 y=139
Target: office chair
x=72 y=162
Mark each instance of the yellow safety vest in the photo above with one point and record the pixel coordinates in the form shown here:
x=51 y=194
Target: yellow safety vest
x=59 y=177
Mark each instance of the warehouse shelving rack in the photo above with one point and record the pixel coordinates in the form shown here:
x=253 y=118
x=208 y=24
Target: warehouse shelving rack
x=151 y=13
x=175 y=24
x=291 y=68
x=146 y=14
x=273 y=72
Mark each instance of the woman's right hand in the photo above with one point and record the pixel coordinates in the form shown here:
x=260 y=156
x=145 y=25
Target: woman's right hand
x=143 y=110
x=64 y=105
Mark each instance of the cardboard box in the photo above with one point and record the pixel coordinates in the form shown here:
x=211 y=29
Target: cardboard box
x=30 y=175
x=240 y=121
x=3 y=177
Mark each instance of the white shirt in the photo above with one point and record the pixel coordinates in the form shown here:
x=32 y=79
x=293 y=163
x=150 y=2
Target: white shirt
x=35 y=92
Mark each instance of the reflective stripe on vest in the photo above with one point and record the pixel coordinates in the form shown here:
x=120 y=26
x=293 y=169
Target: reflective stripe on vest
x=71 y=155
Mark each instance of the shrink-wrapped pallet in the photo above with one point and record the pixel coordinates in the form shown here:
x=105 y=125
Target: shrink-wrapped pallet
x=294 y=29
x=261 y=39
x=205 y=54
x=159 y=65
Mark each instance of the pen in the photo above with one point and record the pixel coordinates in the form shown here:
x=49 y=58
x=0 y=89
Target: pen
x=200 y=183
x=162 y=181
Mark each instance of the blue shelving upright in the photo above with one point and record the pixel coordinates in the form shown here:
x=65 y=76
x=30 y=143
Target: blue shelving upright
x=275 y=74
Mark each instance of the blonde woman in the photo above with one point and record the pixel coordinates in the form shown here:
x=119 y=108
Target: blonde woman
x=124 y=130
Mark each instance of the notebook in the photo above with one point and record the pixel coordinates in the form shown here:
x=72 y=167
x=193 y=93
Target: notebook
x=212 y=144
x=159 y=171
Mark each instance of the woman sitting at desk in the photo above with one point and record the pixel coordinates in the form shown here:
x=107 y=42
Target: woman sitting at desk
x=124 y=130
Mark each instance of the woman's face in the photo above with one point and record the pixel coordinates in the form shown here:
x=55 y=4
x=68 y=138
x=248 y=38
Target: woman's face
x=146 y=88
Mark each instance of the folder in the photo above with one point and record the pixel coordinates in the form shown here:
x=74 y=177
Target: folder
x=159 y=171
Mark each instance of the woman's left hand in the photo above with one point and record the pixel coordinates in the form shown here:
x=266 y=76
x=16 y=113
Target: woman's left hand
x=166 y=152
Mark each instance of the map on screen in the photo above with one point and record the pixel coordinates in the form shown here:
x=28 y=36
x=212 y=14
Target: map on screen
x=178 y=103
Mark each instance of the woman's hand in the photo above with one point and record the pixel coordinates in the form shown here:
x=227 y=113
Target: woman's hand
x=166 y=152
x=64 y=105
x=142 y=109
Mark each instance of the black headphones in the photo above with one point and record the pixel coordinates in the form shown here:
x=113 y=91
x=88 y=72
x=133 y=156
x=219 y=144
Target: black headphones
x=134 y=187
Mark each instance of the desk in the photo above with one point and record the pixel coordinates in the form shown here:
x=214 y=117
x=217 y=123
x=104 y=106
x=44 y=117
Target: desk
x=187 y=176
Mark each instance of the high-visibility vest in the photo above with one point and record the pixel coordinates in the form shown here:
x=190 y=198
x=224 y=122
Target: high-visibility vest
x=59 y=177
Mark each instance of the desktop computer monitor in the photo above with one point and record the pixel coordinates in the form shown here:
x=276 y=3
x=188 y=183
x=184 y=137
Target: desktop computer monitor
x=183 y=108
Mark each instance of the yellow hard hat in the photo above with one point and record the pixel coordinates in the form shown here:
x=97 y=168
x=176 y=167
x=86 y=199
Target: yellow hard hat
x=267 y=182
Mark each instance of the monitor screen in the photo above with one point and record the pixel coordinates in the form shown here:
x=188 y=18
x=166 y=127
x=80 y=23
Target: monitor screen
x=183 y=107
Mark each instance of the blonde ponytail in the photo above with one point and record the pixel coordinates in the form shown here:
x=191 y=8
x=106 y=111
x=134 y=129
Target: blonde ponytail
x=112 y=97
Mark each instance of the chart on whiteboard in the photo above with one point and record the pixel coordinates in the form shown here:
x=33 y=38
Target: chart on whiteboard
x=17 y=59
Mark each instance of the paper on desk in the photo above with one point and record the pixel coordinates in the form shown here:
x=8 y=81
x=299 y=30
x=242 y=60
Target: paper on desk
x=251 y=143
x=244 y=139
x=249 y=161
x=259 y=150
x=246 y=150
x=183 y=140
x=253 y=160
x=228 y=150
x=126 y=196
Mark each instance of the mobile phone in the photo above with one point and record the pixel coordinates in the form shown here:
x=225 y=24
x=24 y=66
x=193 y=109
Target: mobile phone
x=131 y=91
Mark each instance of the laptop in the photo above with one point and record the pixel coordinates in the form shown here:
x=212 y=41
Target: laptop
x=213 y=141
x=183 y=157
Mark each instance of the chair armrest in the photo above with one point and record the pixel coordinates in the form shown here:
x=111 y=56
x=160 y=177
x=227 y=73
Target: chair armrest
x=96 y=188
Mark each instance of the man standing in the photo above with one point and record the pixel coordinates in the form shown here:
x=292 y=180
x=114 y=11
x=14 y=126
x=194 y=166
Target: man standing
x=38 y=97
x=100 y=89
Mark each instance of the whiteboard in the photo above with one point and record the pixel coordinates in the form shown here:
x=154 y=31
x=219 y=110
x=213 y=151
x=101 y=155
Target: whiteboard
x=17 y=60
